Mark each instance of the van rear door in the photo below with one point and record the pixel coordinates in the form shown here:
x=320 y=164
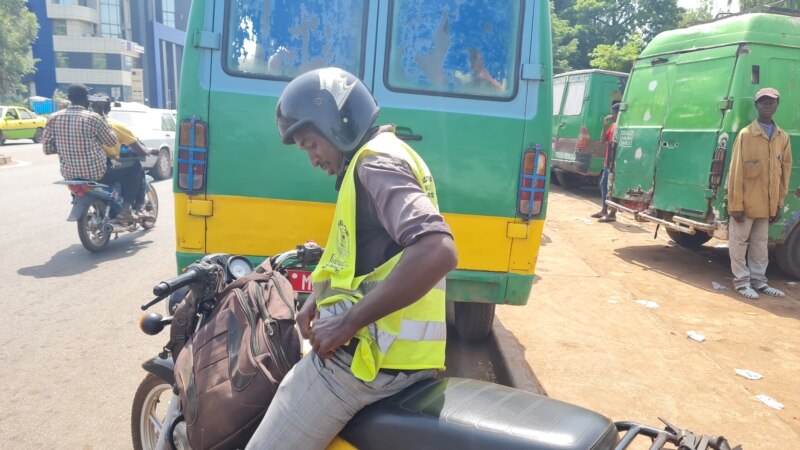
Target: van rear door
x=698 y=101
x=639 y=128
x=447 y=74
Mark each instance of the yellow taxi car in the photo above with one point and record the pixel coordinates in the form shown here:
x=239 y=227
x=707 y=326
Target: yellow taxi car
x=20 y=123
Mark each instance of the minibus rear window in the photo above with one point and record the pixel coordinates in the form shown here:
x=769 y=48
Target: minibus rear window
x=280 y=39
x=454 y=48
x=558 y=95
x=575 y=96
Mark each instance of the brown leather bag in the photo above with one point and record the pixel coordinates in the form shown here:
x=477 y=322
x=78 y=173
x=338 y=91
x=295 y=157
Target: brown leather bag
x=228 y=372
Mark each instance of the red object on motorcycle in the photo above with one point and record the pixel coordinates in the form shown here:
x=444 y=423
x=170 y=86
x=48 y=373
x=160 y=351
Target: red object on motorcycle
x=301 y=280
x=78 y=189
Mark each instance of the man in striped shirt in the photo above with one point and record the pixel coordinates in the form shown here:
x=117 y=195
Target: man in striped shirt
x=77 y=135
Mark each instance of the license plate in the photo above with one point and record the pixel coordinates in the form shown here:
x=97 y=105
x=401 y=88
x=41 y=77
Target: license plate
x=300 y=279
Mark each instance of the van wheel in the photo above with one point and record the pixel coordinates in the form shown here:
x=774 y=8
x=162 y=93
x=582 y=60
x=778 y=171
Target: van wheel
x=695 y=240
x=787 y=255
x=473 y=321
x=567 y=180
x=554 y=179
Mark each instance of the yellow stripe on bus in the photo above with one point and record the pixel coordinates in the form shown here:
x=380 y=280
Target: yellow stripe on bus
x=258 y=226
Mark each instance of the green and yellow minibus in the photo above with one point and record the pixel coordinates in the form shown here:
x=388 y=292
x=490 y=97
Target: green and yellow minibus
x=467 y=83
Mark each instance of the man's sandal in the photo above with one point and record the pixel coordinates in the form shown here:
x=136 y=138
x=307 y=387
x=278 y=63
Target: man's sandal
x=606 y=219
x=771 y=291
x=747 y=292
x=597 y=215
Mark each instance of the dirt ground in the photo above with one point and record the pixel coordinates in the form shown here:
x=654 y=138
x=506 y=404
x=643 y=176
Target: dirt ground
x=589 y=343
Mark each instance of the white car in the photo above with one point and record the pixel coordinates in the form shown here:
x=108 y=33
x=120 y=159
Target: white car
x=155 y=128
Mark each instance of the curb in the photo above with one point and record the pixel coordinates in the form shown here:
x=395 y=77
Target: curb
x=512 y=357
x=5 y=159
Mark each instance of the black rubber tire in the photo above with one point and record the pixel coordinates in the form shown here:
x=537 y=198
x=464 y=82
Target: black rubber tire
x=163 y=168
x=787 y=255
x=140 y=411
x=85 y=234
x=473 y=321
x=37 y=136
x=554 y=179
x=567 y=180
x=151 y=207
x=695 y=240
x=2 y=139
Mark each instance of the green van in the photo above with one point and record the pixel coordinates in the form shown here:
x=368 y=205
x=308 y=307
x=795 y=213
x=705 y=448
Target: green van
x=581 y=102
x=468 y=84
x=690 y=92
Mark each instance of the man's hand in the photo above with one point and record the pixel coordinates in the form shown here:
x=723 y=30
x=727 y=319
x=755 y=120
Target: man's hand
x=738 y=216
x=329 y=334
x=306 y=315
x=773 y=219
x=154 y=151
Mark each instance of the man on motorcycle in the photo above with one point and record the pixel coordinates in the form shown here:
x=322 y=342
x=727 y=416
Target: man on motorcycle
x=101 y=104
x=76 y=135
x=376 y=320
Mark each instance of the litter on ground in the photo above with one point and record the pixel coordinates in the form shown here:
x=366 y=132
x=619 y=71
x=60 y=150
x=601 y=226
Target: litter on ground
x=769 y=401
x=648 y=304
x=717 y=286
x=695 y=336
x=749 y=374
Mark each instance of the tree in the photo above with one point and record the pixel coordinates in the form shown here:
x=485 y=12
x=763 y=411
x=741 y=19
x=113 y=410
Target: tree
x=614 y=23
x=612 y=57
x=702 y=13
x=564 y=41
x=745 y=5
x=19 y=30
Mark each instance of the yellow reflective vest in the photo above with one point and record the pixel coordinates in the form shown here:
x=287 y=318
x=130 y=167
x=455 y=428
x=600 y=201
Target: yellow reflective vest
x=411 y=338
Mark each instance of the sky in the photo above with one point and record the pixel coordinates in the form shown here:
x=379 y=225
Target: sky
x=719 y=5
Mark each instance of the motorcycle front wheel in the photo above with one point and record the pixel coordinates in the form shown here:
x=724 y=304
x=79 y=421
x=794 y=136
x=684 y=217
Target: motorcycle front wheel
x=148 y=412
x=90 y=227
x=150 y=207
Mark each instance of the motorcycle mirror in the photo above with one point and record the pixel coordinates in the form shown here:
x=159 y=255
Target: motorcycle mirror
x=152 y=323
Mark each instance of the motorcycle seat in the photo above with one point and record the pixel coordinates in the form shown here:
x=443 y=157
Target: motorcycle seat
x=463 y=414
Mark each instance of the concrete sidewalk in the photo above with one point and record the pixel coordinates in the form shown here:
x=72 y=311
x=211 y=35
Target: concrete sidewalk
x=590 y=343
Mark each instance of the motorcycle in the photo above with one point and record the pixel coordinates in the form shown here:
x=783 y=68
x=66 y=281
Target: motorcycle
x=95 y=207
x=433 y=414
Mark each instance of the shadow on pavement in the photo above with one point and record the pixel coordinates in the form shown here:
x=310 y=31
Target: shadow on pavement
x=686 y=265
x=75 y=259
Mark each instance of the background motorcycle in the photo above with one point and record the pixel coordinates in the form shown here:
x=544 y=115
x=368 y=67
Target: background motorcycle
x=95 y=207
x=433 y=414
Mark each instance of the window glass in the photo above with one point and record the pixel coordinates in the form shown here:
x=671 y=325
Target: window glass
x=109 y=18
x=454 y=47
x=99 y=61
x=12 y=114
x=284 y=38
x=25 y=114
x=575 y=93
x=59 y=27
x=167 y=122
x=558 y=95
x=139 y=122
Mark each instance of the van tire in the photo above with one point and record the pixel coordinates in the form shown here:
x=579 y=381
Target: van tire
x=473 y=320
x=695 y=240
x=787 y=255
x=567 y=180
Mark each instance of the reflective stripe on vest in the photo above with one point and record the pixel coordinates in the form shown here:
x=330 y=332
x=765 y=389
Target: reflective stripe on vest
x=411 y=338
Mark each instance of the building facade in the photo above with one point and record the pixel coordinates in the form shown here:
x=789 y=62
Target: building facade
x=129 y=49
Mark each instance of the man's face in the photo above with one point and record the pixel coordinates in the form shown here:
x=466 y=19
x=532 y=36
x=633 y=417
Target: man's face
x=766 y=106
x=321 y=153
x=98 y=107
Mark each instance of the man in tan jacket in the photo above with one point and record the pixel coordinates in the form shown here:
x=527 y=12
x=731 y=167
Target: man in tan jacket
x=758 y=181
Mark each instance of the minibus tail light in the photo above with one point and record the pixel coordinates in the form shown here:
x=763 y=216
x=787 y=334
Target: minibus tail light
x=583 y=138
x=192 y=155
x=531 y=182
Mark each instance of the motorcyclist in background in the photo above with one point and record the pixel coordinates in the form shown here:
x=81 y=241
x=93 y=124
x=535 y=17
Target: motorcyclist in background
x=128 y=148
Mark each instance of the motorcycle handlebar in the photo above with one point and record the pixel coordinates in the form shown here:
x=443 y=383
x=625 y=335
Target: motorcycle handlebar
x=169 y=286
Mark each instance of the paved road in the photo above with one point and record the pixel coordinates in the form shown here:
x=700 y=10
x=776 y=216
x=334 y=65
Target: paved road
x=70 y=350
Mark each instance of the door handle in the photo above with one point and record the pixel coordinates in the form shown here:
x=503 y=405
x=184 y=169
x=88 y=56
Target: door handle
x=406 y=134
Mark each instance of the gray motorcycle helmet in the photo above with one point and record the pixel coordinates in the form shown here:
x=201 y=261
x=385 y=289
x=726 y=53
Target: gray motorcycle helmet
x=335 y=102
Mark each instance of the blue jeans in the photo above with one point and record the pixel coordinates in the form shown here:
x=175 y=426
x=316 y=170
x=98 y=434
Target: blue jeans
x=604 y=187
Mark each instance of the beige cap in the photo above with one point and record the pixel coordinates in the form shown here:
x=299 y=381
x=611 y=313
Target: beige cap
x=767 y=92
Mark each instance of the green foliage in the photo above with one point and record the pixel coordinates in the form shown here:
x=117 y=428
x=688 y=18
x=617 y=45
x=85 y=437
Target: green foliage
x=614 y=26
x=18 y=30
x=565 y=44
x=745 y=5
x=613 y=57
x=700 y=14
